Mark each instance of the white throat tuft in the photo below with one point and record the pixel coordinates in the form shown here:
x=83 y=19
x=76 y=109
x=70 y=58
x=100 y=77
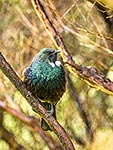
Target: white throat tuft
x=58 y=63
x=52 y=64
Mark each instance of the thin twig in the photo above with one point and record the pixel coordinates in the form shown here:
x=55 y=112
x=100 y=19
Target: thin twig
x=26 y=22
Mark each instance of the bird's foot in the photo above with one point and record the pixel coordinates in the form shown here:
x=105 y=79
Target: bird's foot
x=50 y=112
x=29 y=94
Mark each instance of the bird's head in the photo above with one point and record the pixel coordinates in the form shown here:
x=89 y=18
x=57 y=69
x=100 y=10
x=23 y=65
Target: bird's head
x=46 y=54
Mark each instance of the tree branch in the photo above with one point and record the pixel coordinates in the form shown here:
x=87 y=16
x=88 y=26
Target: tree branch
x=89 y=74
x=36 y=104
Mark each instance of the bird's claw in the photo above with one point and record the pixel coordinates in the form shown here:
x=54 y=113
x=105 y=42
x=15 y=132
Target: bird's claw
x=29 y=94
x=50 y=112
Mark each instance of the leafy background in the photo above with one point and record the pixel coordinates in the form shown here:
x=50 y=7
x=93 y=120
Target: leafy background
x=88 y=37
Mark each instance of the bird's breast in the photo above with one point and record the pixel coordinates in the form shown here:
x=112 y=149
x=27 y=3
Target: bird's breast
x=46 y=81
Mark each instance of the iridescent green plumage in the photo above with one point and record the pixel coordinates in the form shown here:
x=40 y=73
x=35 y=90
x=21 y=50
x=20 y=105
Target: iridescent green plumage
x=45 y=78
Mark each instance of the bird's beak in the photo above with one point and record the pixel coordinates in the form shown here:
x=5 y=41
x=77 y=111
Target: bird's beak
x=57 y=51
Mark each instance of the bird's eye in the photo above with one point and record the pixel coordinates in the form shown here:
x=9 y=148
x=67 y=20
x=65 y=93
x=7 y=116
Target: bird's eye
x=50 y=52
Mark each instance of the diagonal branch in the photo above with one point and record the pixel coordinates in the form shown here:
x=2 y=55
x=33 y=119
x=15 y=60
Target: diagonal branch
x=89 y=74
x=36 y=104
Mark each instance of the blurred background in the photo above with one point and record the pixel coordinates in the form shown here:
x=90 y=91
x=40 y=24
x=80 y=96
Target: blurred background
x=85 y=113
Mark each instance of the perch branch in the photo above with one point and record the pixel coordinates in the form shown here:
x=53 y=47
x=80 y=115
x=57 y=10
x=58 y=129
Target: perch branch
x=36 y=104
x=89 y=74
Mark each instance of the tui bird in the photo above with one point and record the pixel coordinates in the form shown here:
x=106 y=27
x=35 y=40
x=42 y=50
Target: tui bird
x=45 y=79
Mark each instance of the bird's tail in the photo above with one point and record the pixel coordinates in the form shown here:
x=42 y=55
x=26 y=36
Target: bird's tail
x=50 y=107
